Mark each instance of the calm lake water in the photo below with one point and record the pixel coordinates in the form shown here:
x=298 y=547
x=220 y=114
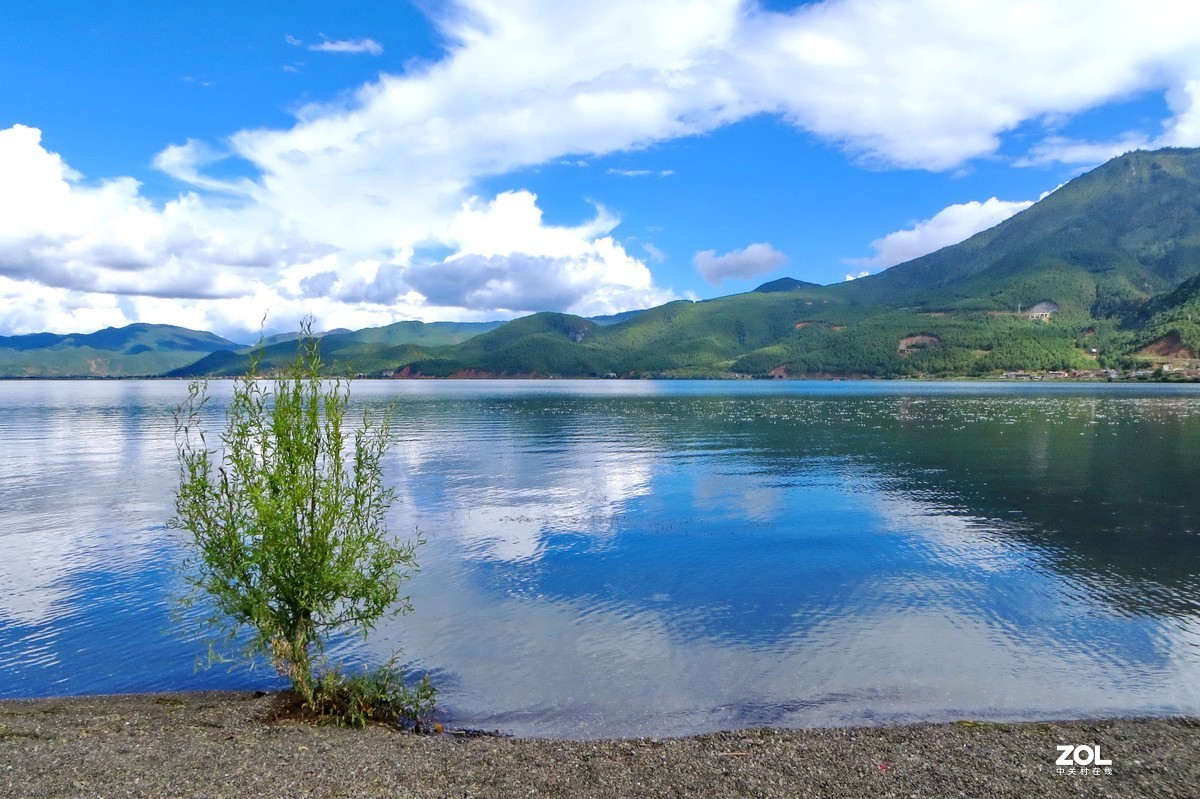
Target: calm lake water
x=653 y=558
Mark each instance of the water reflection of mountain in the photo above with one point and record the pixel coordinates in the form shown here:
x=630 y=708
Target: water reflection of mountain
x=1104 y=487
x=1101 y=486
x=675 y=552
x=1093 y=488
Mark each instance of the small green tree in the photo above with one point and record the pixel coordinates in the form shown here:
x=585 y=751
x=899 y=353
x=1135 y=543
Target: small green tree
x=288 y=517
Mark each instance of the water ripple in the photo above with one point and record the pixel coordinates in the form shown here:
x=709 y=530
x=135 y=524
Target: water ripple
x=613 y=558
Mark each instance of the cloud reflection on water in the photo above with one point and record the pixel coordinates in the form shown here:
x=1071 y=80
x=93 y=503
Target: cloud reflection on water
x=652 y=562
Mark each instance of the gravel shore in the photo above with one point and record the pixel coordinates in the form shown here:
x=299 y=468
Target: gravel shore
x=217 y=746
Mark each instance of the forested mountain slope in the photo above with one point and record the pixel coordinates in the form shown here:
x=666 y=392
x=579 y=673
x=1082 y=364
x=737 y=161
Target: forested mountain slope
x=135 y=350
x=1102 y=272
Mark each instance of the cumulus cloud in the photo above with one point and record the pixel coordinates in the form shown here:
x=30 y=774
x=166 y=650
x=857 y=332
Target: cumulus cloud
x=73 y=253
x=940 y=98
x=319 y=285
x=506 y=260
x=515 y=282
x=948 y=226
x=61 y=232
x=1181 y=130
x=751 y=261
x=355 y=187
x=532 y=82
x=509 y=259
x=62 y=239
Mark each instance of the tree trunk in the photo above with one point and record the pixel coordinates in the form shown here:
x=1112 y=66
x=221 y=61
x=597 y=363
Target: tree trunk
x=301 y=669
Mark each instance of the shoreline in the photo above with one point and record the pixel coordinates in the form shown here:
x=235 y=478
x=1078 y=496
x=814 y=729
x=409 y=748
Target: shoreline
x=1018 y=377
x=218 y=745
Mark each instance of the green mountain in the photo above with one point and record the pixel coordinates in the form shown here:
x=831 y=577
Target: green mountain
x=292 y=335
x=1102 y=272
x=135 y=350
x=1167 y=326
x=1116 y=235
x=785 y=284
x=1098 y=262
x=371 y=350
x=756 y=334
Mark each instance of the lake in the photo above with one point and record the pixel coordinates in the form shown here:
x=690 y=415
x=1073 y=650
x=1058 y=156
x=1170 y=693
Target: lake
x=612 y=558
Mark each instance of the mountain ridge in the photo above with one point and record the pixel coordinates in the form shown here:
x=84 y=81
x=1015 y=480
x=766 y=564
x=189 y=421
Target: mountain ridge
x=1123 y=231
x=1109 y=263
x=137 y=350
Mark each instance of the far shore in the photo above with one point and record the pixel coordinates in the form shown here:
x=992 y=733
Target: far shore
x=1174 y=378
x=220 y=745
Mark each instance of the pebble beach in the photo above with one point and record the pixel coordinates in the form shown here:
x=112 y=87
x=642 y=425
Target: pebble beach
x=221 y=745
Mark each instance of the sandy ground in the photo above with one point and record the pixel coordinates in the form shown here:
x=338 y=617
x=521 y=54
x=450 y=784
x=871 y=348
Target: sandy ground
x=217 y=745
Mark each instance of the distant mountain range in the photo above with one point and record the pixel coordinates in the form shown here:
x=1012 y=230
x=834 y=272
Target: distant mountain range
x=136 y=350
x=1103 y=272
x=371 y=350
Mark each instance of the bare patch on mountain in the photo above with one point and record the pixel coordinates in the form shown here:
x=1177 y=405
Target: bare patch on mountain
x=921 y=341
x=1169 y=346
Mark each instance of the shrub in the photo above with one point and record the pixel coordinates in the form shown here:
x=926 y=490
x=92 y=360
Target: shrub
x=354 y=700
x=287 y=518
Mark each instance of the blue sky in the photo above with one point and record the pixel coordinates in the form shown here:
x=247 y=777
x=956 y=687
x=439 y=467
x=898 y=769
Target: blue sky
x=371 y=162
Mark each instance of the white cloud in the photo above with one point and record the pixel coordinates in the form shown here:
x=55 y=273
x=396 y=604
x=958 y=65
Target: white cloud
x=948 y=226
x=751 y=261
x=638 y=173
x=1181 y=130
x=362 y=184
x=509 y=259
x=1063 y=150
x=932 y=83
x=63 y=241
x=184 y=162
x=348 y=46
x=75 y=256
x=657 y=255
x=60 y=232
